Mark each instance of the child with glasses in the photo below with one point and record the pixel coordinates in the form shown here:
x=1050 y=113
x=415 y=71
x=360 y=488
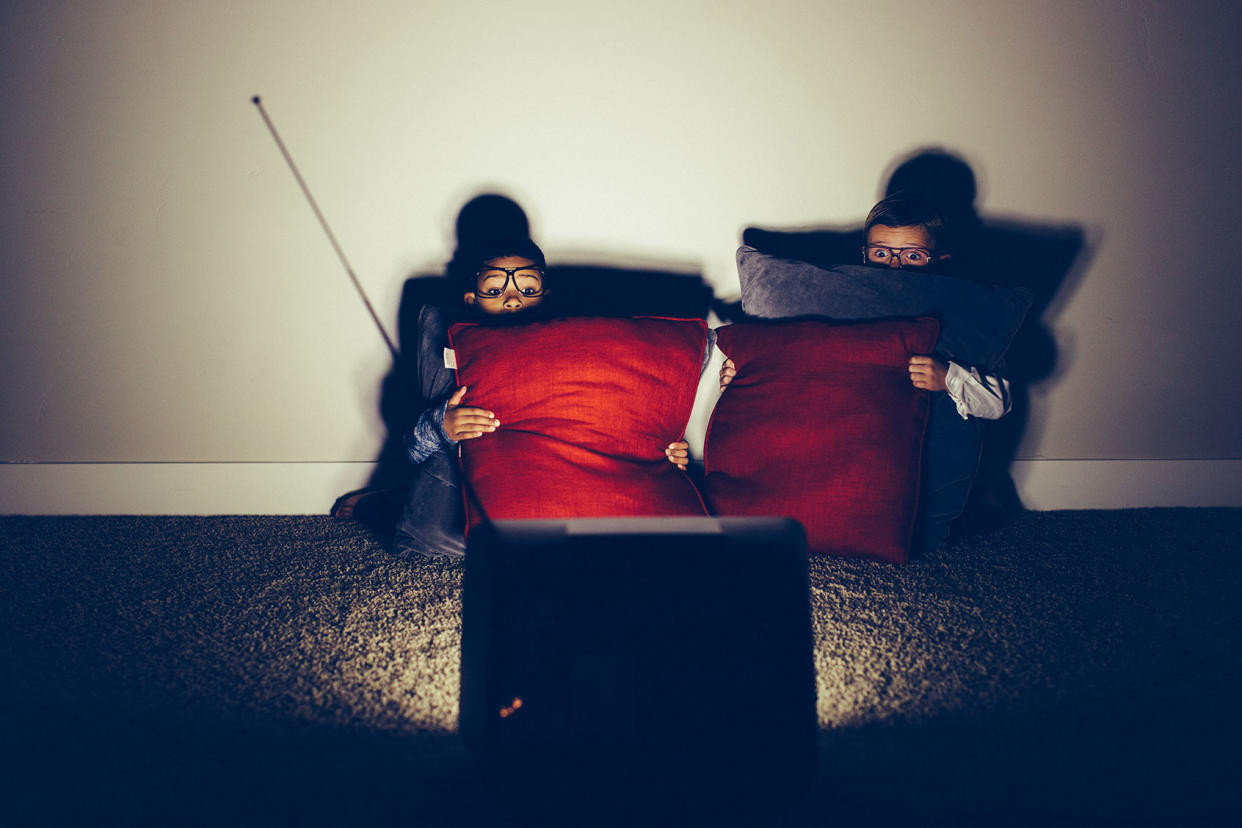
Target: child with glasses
x=509 y=283
x=502 y=277
x=905 y=232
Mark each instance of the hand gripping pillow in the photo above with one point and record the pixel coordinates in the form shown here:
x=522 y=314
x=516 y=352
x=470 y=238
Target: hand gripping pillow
x=586 y=408
x=822 y=424
x=977 y=323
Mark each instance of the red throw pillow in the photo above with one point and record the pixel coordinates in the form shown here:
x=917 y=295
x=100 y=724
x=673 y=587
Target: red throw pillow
x=586 y=409
x=822 y=424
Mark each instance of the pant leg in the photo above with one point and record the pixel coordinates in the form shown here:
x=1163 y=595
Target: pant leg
x=433 y=518
x=950 y=461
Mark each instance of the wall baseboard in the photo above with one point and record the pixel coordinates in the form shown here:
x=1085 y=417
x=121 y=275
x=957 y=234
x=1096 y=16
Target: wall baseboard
x=310 y=488
x=1127 y=484
x=177 y=488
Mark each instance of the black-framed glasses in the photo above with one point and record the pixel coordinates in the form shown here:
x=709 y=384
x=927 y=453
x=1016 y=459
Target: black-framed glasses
x=528 y=281
x=879 y=254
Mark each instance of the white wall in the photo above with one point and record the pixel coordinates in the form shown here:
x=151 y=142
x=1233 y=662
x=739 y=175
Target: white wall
x=169 y=304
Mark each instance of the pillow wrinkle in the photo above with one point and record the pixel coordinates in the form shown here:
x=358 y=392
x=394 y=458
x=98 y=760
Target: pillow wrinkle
x=630 y=438
x=580 y=454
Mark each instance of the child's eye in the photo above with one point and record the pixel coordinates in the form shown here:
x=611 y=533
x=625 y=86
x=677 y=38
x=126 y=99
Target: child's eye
x=530 y=291
x=491 y=292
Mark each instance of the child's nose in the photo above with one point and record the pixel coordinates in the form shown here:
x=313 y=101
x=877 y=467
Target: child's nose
x=513 y=300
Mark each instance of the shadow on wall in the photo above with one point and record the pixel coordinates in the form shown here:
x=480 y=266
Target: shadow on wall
x=577 y=290
x=1045 y=258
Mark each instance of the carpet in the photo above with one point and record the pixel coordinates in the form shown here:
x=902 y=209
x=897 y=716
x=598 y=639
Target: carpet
x=1071 y=668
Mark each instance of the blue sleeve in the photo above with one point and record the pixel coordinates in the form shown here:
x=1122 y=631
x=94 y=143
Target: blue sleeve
x=427 y=436
x=707 y=350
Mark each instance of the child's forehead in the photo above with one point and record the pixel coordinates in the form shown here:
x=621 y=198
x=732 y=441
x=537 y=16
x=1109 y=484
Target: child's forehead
x=509 y=262
x=910 y=235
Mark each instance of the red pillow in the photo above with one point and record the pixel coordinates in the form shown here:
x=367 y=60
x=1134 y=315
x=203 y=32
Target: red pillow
x=586 y=408
x=822 y=424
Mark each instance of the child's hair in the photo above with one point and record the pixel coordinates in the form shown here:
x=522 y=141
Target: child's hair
x=906 y=209
x=474 y=257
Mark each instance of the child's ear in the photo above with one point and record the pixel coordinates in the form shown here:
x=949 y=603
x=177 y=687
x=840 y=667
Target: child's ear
x=468 y=297
x=944 y=257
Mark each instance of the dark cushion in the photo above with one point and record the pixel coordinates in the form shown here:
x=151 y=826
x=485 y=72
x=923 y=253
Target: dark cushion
x=822 y=424
x=977 y=323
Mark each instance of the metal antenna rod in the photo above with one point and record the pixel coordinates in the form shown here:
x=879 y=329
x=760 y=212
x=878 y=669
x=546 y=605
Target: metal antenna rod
x=326 y=229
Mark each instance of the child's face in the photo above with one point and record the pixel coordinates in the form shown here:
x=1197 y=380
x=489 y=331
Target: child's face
x=910 y=247
x=507 y=285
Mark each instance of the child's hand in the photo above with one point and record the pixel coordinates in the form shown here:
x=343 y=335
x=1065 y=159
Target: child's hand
x=463 y=422
x=928 y=373
x=678 y=454
x=727 y=372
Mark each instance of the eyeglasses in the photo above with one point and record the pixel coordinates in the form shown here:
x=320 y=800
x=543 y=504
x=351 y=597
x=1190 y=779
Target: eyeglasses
x=904 y=256
x=528 y=281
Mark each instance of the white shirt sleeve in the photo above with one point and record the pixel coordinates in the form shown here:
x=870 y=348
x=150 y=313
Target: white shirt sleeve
x=978 y=395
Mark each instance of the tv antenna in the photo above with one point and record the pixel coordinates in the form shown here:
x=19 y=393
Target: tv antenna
x=323 y=222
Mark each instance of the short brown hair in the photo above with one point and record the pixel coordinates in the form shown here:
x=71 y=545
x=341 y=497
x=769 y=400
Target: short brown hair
x=906 y=209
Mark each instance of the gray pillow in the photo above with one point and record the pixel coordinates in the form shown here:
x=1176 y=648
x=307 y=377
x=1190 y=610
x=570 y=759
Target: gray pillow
x=977 y=323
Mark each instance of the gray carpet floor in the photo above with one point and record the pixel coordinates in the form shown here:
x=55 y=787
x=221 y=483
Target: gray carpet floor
x=1072 y=668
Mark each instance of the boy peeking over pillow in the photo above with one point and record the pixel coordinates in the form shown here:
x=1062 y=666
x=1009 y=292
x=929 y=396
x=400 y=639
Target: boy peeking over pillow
x=507 y=276
x=905 y=232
